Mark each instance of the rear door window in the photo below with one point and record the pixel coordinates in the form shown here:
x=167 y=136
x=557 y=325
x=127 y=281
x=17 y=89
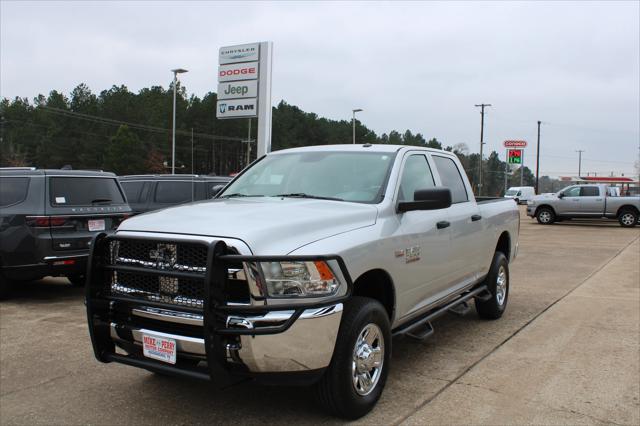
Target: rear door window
x=451 y=178
x=84 y=191
x=173 y=192
x=13 y=190
x=133 y=190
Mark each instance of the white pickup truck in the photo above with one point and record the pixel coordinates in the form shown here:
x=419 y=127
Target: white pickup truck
x=302 y=269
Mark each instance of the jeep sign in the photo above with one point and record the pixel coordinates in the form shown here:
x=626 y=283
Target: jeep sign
x=233 y=72
x=237 y=108
x=238 y=89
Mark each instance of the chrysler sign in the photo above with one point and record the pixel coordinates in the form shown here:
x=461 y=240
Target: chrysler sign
x=241 y=53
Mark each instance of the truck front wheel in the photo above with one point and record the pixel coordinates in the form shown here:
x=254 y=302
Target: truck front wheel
x=354 y=380
x=497 y=283
x=628 y=218
x=545 y=216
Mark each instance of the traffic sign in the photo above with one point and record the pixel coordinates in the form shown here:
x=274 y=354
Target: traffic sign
x=514 y=156
x=515 y=144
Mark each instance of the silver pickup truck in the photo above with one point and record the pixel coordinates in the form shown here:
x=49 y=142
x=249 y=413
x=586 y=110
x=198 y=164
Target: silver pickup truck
x=584 y=201
x=302 y=269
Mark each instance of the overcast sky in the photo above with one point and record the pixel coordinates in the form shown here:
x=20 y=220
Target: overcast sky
x=419 y=66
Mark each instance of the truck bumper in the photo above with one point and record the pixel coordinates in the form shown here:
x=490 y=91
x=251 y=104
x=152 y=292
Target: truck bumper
x=294 y=342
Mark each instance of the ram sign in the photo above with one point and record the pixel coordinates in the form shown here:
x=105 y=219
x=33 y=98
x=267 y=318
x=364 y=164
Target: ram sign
x=237 y=108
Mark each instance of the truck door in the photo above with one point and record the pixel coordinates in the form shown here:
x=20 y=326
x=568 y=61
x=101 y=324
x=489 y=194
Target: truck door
x=569 y=204
x=468 y=240
x=422 y=249
x=591 y=201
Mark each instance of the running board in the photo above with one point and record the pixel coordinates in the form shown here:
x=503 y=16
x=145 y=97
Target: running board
x=421 y=328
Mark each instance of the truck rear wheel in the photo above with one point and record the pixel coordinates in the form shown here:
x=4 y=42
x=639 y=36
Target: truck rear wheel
x=497 y=283
x=354 y=380
x=545 y=216
x=628 y=218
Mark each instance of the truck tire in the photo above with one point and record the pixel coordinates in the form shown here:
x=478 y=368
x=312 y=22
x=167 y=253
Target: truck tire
x=545 y=216
x=353 y=382
x=628 y=218
x=497 y=283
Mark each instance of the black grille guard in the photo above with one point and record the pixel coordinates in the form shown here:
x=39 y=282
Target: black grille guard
x=215 y=308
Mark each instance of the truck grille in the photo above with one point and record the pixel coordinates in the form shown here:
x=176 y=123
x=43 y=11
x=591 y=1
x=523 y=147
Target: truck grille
x=136 y=266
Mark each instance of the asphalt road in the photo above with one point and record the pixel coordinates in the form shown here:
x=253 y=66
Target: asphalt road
x=574 y=303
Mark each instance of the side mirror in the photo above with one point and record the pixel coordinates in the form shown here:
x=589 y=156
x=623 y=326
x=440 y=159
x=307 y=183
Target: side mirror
x=427 y=199
x=561 y=195
x=216 y=189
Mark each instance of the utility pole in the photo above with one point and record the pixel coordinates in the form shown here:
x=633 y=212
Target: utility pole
x=538 y=158
x=580 y=151
x=481 y=143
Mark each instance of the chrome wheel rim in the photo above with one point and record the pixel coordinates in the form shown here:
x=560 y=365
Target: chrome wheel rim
x=501 y=286
x=368 y=359
x=544 y=216
x=628 y=219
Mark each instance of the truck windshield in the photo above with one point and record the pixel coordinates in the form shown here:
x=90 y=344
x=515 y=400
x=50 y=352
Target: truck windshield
x=347 y=176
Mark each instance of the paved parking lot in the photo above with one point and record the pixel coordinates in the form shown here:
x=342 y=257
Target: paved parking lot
x=566 y=352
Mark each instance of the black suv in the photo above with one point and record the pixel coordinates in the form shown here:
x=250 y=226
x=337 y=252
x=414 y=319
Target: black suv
x=152 y=192
x=47 y=220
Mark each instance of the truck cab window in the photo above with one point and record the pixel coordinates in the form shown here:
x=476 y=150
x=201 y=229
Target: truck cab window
x=572 y=192
x=589 y=191
x=450 y=176
x=415 y=175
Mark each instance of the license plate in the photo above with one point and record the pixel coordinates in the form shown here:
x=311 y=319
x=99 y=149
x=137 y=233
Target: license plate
x=159 y=348
x=96 y=225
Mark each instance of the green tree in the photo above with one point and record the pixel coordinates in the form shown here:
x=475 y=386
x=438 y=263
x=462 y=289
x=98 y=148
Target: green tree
x=125 y=154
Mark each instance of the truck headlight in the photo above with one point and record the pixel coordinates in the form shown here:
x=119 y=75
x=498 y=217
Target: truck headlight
x=299 y=279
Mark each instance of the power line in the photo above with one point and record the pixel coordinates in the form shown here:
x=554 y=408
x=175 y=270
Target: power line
x=138 y=126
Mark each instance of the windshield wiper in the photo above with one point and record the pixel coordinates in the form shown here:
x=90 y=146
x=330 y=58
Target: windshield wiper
x=303 y=195
x=101 y=200
x=237 y=194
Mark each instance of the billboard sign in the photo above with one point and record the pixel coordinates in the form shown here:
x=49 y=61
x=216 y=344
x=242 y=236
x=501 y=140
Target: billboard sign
x=237 y=108
x=235 y=72
x=514 y=156
x=238 y=89
x=515 y=144
x=240 y=53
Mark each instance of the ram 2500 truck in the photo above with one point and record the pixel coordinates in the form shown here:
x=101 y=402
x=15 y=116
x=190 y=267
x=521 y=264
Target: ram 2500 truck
x=584 y=201
x=302 y=269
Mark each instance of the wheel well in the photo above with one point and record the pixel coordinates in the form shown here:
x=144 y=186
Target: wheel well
x=377 y=284
x=547 y=206
x=627 y=207
x=504 y=244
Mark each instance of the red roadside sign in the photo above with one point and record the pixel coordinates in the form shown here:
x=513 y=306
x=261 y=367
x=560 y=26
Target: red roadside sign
x=515 y=144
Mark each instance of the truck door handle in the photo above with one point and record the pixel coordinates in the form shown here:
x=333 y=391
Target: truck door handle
x=475 y=217
x=442 y=224
x=598 y=199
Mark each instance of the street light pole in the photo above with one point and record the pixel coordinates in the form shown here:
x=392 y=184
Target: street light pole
x=353 y=122
x=173 y=136
x=538 y=158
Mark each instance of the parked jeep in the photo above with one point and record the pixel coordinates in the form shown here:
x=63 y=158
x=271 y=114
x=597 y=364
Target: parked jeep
x=48 y=218
x=302 y=270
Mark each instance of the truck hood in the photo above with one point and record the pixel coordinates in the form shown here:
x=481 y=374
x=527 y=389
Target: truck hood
x=268 y=225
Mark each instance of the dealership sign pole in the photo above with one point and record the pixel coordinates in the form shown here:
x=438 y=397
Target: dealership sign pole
x=244 y=87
